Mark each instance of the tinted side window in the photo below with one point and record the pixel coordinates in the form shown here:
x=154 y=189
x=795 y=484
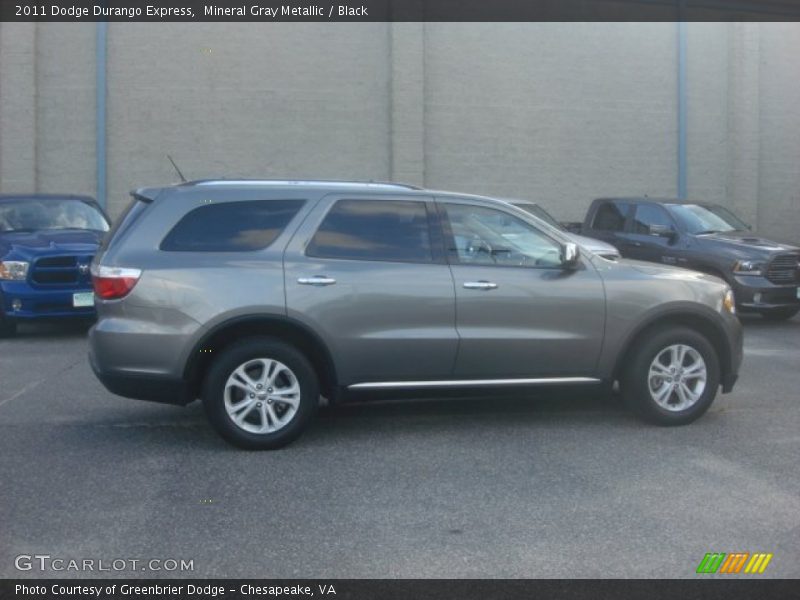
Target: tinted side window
x=231 y=226
x=374 y=230
x=647 y=215
x=610 y=216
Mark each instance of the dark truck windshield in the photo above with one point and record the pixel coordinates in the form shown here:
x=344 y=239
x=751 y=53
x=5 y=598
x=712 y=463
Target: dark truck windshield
x=699 y=219
x=35 y=215
x=538 y=211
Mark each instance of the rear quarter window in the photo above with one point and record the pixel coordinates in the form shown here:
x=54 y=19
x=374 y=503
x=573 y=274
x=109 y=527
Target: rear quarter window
x=231 y=226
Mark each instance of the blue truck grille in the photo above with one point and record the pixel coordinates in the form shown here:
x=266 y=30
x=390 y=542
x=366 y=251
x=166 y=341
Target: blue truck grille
x=61 y=270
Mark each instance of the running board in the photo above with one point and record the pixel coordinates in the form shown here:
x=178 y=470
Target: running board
x=379 y=385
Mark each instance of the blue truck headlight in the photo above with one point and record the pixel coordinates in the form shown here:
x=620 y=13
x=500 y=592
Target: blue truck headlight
x=15 y=270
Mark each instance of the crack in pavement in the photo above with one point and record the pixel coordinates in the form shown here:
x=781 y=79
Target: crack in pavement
x=34 y=384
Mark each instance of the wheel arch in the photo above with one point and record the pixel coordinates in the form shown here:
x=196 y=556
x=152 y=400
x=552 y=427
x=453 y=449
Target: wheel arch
x=695 y=320
x=280 y=327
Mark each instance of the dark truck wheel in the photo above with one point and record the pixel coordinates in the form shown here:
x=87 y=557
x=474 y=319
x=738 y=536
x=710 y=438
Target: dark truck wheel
x=260 y=393
x=672 y=378
x=779 y=314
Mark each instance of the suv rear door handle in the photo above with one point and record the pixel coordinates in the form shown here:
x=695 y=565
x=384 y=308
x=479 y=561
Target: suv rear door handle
x=319 y=280
x=480 y=285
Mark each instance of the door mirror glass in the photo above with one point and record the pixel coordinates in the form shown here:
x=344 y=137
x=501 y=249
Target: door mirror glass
x=570 y=254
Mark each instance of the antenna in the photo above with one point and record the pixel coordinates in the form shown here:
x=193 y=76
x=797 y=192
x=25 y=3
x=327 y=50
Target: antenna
x=183 y=179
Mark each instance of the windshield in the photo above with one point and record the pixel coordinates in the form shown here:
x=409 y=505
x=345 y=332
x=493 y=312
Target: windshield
x=35 y=215
x=698 y=219
x=538 y=211
x=728 y=217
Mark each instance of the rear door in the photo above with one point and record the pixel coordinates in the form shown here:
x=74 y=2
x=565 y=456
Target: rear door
x=369 y=275
x=520 y=313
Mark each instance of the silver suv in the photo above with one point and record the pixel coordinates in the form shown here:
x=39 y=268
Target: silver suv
x=260 y=296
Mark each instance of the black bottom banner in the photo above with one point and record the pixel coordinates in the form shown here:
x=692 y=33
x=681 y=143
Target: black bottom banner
x=390 y=589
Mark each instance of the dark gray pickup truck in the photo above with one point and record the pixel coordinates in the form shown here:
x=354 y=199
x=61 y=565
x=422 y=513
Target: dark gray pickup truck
x=764 y=275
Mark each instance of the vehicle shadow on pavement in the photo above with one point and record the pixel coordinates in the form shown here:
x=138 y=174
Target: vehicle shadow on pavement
x=55 y=330
x=353 y=422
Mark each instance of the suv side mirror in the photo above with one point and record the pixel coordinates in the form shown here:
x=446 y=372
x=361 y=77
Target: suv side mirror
x=663 y=231
x=570 y=253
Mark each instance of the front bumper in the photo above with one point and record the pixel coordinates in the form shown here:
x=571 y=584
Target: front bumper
x=734 y=334
x=758 y=293
x=39 y=303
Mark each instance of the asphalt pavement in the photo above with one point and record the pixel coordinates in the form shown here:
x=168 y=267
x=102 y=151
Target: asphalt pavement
x=560 y=484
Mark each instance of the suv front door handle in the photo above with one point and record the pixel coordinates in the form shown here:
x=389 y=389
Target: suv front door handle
x=319 y=280
x=480 y=285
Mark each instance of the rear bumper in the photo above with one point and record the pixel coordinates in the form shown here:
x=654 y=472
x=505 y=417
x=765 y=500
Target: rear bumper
x=39 y=303
x=153 y=388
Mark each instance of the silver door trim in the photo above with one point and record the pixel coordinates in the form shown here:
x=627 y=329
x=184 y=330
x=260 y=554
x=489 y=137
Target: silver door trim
x=469 y=383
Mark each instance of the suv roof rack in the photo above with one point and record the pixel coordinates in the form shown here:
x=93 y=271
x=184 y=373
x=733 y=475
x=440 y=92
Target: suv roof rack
x=284 y=182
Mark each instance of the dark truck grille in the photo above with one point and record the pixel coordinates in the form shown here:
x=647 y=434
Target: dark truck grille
x=784 y=269
x=61 y=270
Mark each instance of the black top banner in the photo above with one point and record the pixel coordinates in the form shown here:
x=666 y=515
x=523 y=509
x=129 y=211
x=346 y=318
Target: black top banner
x=399 y=10
x=397 y=589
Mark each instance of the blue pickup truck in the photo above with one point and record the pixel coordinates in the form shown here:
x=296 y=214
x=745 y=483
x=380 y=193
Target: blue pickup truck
x=46 y=245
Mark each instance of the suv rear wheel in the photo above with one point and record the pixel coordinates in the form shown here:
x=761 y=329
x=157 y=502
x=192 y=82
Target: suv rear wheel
x=673 y=376
x=260 y=393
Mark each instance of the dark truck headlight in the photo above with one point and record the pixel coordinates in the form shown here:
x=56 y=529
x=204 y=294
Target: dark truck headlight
x=749 y=267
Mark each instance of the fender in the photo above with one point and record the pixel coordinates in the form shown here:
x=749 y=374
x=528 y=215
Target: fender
x=674 y=312
x=279 y=325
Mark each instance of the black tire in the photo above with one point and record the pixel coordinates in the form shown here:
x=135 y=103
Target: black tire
x=8 y=328
x=214 y=393
x=635 y=385
x=780 y=314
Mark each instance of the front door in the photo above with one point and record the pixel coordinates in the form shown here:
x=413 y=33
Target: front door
x=651 y=235
x=520 y=313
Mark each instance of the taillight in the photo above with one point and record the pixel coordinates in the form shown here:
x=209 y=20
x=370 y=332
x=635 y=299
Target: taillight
x=112 y=283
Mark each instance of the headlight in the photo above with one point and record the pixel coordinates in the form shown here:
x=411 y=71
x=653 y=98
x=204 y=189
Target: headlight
x=13 y=269
x=748 y=267
x=729 y=302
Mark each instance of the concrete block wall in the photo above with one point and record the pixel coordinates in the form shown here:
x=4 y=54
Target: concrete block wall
x=560 y=113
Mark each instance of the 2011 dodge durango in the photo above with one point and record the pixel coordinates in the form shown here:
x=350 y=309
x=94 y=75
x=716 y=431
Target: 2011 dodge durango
x=260 y=296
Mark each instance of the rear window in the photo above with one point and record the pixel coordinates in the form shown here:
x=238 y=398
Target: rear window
x=385 y=230
x=122 y=224
x=610 y=216
x=231 y=226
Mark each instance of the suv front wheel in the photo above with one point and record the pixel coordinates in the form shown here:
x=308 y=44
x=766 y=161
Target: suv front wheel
x=673 y=376
x=260 y=393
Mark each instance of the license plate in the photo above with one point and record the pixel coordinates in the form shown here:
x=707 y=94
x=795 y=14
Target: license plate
x=83 y=299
